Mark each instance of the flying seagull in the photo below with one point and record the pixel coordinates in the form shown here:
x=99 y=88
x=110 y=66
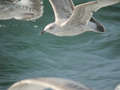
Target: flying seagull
x=73 y=20
x=49 y=83
x=21 y=9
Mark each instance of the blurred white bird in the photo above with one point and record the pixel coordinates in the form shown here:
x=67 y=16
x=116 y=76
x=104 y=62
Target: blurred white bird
x=118 y=87
x=49 y=84
x=21 y=9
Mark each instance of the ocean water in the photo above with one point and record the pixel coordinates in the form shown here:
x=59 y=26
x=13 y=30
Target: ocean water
x=92 y=58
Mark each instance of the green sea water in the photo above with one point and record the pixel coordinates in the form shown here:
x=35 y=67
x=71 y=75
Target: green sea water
x=91 y=58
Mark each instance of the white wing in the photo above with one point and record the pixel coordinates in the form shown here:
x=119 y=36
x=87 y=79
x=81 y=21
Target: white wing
x=23 y=10
x=118 y=87
x=83 y=12
x=47 y=84
x=62 y=9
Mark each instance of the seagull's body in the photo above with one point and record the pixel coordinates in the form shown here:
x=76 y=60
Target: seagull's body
x=20 y=9
x=73 y=20
x=72 y=30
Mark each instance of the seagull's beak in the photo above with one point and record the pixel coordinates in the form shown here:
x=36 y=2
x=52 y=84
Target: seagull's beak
x=42 y=32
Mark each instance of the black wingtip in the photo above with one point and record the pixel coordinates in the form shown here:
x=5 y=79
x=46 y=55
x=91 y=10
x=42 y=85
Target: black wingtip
x=100 y=28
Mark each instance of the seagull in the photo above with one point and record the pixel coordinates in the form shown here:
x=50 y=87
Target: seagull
x=73 y=20
x=21 y=9
x=50 y=83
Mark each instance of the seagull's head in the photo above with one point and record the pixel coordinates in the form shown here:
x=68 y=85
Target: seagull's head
x=50 y=28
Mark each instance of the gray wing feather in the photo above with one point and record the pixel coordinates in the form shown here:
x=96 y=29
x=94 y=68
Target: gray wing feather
x=83 y=12
x=62 y=8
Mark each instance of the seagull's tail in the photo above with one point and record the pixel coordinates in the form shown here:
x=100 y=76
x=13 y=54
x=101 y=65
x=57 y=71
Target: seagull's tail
x=47 y=84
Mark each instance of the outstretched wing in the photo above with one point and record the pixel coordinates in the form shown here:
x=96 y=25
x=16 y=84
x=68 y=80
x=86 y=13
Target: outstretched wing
x=62 y=9
x=22 y=10
x=83 y=12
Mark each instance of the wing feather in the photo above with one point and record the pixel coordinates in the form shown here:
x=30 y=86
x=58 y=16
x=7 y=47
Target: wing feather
x=82 y=13
x=62 y=9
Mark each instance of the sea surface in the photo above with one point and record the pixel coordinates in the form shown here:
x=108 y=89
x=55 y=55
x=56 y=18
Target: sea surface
x=92 y=59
